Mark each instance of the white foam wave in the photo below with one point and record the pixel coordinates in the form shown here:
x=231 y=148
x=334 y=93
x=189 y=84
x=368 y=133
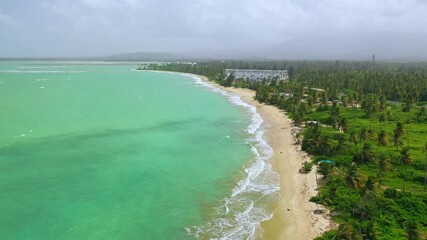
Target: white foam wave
x=241 y=214
x=40 y=71
x=21 y=136
x=43 y=67
x=24 y=134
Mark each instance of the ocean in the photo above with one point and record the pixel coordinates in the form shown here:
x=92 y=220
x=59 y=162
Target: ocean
x=100 y=151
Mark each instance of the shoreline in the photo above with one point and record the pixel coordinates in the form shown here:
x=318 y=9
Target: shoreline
x=294 y=217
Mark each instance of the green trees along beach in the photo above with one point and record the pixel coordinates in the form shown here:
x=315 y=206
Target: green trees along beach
x=370 y=120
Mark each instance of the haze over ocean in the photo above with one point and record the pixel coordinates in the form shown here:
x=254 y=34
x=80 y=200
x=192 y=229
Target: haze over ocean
x=96 y=151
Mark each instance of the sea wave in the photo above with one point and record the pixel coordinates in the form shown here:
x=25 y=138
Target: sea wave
x=40 y=71
x=249 y=204
x=43 y=67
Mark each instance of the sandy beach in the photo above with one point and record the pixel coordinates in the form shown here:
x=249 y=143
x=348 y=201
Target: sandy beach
x=294 y=218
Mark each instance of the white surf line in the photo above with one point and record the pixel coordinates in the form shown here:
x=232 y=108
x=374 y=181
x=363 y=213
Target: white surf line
x=237 y=224
x=244 y=228
x=24 y=71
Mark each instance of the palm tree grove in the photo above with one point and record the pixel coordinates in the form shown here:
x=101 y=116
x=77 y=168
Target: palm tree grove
x=369 y=118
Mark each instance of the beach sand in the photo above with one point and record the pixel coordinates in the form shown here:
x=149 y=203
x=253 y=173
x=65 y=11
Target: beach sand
x=294 y=218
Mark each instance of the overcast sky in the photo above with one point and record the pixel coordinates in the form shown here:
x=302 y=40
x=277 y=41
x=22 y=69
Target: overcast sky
x=101 y=27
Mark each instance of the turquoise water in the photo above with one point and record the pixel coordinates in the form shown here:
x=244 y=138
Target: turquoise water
x=95 y=151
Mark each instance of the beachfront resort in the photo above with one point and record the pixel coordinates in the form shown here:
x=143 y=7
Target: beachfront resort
x=257 y=75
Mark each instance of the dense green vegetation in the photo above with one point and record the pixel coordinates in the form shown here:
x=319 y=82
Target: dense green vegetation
x=370 y=119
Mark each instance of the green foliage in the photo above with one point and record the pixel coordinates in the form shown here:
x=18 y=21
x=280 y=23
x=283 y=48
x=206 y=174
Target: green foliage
x=371 y=120
x=354 y=179
x=382 y=138
x=384 y=165
x=229 y=81
x=325 y=169
x=306 y=167
x=406 y=156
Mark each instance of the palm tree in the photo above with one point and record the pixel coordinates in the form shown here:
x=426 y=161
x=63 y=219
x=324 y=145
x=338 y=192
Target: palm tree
x=382 y=138
x=339 y=171
x=299 y=116
x=371 y=134
x=371 y=186
x=310 y=102
x=364 y=134
x=335 y=113
x=347 y=231
x=396 y=141
x=406 y=156
x=344 y=100
x=421 y=112
x=229 y=80
x=407 y=105
x=383 y=102
x=412 y=230
x=324 y=99
x=342 y=145
x=384 y=165
x=365 y=155
x=334 y=116
x=389 y=115
x=399 y=129
x=372 y=230
x=314 y=96
x=381 y=119
x=353 y=139
x=350 y=101
x=343 y=124
x=354 y=178
x=355 y=98
x=325 y=145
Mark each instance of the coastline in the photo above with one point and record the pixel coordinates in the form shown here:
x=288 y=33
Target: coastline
x=294 y=217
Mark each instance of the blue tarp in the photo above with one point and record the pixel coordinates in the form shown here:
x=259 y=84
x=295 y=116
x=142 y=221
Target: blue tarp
x=327 y=161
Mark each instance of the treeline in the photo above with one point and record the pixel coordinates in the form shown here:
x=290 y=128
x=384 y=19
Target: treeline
x=370 y=120
x=395 y=81
x=377 y=184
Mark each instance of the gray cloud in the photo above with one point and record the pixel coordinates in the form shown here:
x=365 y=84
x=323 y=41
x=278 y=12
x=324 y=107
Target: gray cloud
x=9 y=21
x=99 y=27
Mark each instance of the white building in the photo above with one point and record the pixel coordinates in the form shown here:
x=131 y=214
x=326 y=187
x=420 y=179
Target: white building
x=257 y=75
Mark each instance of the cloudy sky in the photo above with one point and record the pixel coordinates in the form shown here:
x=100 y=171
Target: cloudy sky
x=43 y=28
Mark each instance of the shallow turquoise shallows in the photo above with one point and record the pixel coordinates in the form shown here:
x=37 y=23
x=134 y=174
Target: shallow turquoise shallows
x=96 y=151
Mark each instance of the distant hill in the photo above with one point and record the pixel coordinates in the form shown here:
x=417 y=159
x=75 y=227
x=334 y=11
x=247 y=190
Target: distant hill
x=387 y=46
x=134 y=56
x=144 y=56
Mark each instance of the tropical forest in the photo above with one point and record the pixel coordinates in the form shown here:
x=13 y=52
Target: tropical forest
x=368 y=119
